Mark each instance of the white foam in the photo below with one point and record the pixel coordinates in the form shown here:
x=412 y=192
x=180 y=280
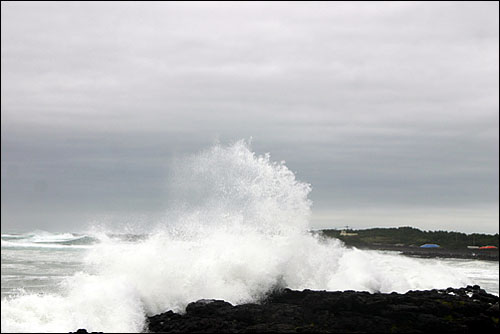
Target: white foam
x=57 y=237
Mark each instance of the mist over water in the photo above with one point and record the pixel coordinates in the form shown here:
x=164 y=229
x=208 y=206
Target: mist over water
x=237 y=228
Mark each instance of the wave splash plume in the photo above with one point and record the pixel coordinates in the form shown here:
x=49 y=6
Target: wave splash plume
x=238 y=229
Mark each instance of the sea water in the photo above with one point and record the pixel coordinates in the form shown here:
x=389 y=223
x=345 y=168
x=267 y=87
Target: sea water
x=238 y=227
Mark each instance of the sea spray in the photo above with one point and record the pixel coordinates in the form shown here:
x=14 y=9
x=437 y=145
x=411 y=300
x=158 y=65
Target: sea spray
x=238 y=228
x=231 y=185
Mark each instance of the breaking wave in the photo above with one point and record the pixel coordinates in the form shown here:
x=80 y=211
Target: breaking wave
x=238 y=228
x=43 y=239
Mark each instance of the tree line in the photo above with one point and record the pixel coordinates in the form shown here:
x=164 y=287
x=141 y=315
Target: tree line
x=410 y=236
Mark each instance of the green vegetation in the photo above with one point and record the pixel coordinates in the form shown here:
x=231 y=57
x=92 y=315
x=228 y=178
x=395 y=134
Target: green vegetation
x=409 y=236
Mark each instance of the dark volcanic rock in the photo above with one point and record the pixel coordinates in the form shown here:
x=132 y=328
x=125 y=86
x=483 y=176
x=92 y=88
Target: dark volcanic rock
x=465 y=310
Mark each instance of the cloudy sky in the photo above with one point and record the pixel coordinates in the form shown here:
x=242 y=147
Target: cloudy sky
x=390 y=110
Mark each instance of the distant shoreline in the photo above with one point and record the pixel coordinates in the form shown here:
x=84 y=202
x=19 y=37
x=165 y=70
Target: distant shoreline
x=408 y=240
x=473 y=254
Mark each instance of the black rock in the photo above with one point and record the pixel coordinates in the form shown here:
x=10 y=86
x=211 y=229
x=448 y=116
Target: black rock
x=464 y=310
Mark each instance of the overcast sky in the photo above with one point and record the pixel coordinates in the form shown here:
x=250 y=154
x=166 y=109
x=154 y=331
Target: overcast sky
x=390 y=110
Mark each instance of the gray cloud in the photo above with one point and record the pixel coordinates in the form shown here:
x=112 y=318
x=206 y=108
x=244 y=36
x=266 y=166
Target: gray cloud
x=389 y=110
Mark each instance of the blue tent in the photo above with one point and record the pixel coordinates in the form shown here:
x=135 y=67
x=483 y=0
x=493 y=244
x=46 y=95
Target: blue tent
x=429 y=246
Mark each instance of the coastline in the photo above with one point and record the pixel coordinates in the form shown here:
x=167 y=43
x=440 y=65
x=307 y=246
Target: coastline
x=473 y=254
x=463 y=310
x=408 y=241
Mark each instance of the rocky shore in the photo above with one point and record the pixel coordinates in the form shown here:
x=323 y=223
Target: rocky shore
x=465 y=310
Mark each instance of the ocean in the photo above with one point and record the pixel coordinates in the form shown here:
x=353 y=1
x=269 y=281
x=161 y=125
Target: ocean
x=237 y=227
